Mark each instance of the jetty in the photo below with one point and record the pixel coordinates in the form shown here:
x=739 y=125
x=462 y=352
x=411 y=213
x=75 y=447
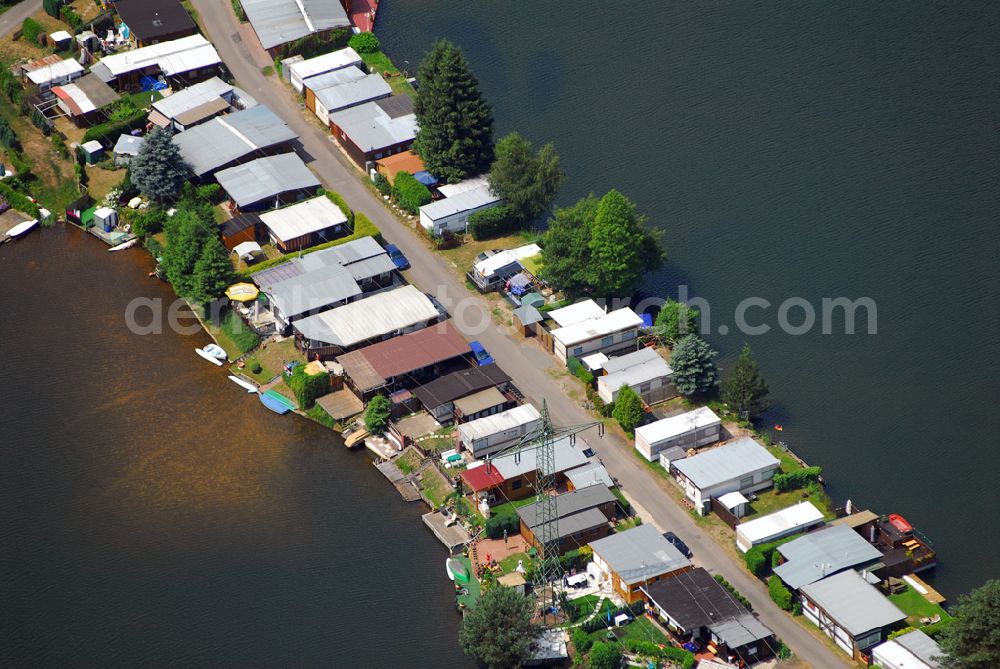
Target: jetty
x=402 y=483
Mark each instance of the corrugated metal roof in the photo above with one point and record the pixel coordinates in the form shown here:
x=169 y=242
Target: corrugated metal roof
x=821 y=553
x=592 y=473
x=639 y=553
x=328 y=62
x=673 y=426
x=741 y=630
x=784 y=522
x=642 y=368
x=570 y=504
x=222 y=140
x=86 y=94
x=342 y=96
x=489 y=425
x=458 y=384
x=568 y=455
x=303 y=218
x=728 y=462
x=468 y=200
x=156 y=54
x=61 y=70
x=127 y=145
x=854 y=604
x=601 y=326
x=370 y=367
x=334 y=78
x=266 y=178
x=922 y=646
x=194 y=96
x=279 y=21
x=313 y=290
x=575 y=313
x=371 y=128
x=369 y=318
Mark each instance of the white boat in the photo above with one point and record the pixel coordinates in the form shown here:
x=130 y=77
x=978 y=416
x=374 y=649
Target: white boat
x=21 y=228
x=125 y=245
x=251 y=388
x=216 y=350
x=208 y=356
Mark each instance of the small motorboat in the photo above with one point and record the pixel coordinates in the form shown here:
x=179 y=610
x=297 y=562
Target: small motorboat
x=125 y=245
x=217 y=351
x=356 y=438
x=457 y=571
x=250 y=388
x=900 y=523
x=208 y=356
x=21 y=228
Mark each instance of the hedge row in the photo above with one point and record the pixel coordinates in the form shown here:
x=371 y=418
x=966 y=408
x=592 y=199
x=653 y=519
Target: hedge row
x=797 y=479
x=112 y=129
x=409 y=193
x=780 y=594
x=31 y=29
x=338 y=200
x=363 y=227
x=678 y=656
x=495 y=525
x=18 y=201
x=492 y=222
x=760 y=559
x=577 y=369
x=737 y=595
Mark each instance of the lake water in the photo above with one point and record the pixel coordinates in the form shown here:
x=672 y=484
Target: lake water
x=153 y=514
x=812 y=150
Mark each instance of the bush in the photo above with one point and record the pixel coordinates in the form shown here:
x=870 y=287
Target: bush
x=238 y=10
x=775 y=559
x=256 y=368
x=31 y=29
x=364 y=43
x=307 y=387
x=605 y=656
x=495 y=525
x=7 y=136
x=145 y=222
x=780 y=594
x=737 y=595
x=755 y=561
x=409 y=193
x=38 y=120
x=9 y=84
x=112 y=129
x=678 y=656
x=797 y=479
x=75 y=21
x=576 y=558
x=342 y=204
x=59 y=144
x=51 y=7
x=382 y=184
x=581 y=640
x=492 y=222
x=18 y=201
x=578 y=370
x=784 y=652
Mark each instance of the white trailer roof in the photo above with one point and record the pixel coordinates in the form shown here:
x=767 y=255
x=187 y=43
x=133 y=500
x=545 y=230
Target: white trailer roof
x=157 y=54
x=797 y=516
x=47 y=73
x=605 y=324
x=674 y=426
x=451 y=190
x=728 y=462
x=577 y=312
x=489 y=425
x=303 y=218
x=467 y=200
x=368 y=318
x=488 y=266
x=328 y=62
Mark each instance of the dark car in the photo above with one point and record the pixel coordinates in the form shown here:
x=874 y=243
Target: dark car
x=677 y=543
x=397 y=257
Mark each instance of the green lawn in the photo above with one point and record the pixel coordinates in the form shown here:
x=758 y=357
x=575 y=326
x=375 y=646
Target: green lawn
x=643 y=629
x=442 y=440
x=234 y=335
x=770 y=501
x=434 y=486
x=408 y=461
x=509 y=563
x=510 y=508
x=380 y=63
x=584 y=607
x=270 y=358
x=916 y=607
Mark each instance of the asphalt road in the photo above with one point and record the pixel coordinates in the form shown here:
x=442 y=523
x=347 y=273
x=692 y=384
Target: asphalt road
x=12 y=19
x=524 y=362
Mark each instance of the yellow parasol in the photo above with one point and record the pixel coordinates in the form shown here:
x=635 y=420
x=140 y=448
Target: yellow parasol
x=242 y=292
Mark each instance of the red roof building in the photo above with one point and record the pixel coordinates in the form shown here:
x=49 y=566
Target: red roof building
x=483 y=477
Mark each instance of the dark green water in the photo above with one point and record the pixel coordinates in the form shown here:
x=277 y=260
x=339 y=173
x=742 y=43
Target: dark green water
x=795 y=149
x=154 y=515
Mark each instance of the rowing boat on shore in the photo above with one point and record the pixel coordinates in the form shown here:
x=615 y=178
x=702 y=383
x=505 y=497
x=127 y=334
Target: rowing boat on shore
x=250 y=388
x=21 y=228
x=125 y=245
x=208 y=356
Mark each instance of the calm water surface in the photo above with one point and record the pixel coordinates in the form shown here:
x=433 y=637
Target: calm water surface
x=155 y=515
x=795 y=149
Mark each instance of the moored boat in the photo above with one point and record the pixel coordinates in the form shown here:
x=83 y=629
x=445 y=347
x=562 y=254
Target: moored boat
x=208 y=356
x=21 y=228
x=125 y=245
x=250 y=388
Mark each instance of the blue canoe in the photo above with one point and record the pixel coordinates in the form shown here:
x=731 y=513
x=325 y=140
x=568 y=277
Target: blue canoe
x=276 y=402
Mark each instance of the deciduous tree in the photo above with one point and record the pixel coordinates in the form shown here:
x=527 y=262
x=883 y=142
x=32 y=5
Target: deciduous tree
x=528 y=181
x=377 y=414
x=744 y=389
x=159 y=170
x=693 y=361
x=628 y=409
x=187 y=233
x=604 y=656
x=972 y=640
x=455 y=139
x=566 y=252
x=499 y=631
x=675 y=321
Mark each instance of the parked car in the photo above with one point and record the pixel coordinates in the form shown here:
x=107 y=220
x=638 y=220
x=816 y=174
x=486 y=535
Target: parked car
x=677 y=543
x=481 y=355
x=397 y=257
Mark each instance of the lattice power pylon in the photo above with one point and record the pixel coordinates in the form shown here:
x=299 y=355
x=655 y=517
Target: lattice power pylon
x=546 y=530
